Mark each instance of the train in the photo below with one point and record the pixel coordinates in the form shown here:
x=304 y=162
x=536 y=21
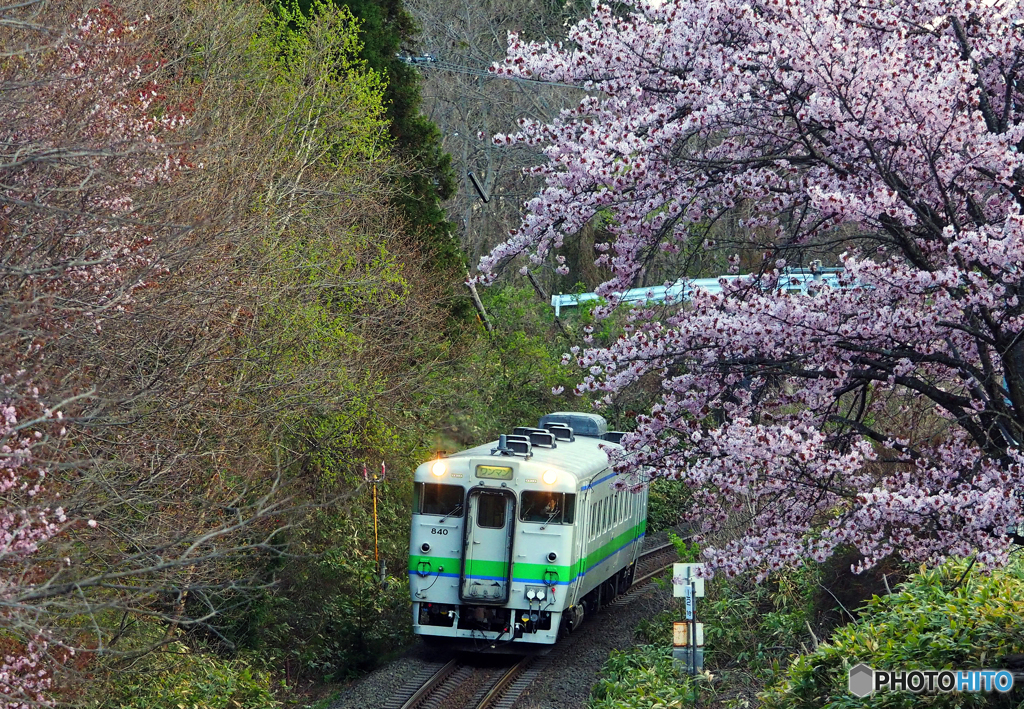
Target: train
x=515 y=541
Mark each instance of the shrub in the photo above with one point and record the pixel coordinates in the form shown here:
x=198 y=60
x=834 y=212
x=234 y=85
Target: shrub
x=644 y=678
x=178 y=678
x=931 y=622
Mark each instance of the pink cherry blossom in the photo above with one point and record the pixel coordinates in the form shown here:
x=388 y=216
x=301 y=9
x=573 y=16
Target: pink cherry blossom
x=884 y=414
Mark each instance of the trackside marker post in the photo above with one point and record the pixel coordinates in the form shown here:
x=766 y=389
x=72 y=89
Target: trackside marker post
x=688 y=636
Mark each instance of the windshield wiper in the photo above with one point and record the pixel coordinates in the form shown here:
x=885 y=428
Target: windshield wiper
x=458 y=508
x=548 y=520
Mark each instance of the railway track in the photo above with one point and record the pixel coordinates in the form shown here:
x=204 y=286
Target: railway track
x=652 y=562
x=460 y=683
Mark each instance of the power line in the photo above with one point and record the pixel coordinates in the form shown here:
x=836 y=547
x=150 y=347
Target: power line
x=432 y=62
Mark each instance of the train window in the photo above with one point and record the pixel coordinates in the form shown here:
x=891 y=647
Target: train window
x=437 y=499
x=491 y=511
x=548 y=507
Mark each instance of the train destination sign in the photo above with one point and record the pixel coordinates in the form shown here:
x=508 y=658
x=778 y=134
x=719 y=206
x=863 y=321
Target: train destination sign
x=493 y=472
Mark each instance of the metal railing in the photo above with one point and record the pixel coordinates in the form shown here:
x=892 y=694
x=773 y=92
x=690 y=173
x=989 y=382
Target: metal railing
x=792 y=280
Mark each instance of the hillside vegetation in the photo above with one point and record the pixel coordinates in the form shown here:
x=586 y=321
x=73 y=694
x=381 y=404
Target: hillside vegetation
x=221 y=308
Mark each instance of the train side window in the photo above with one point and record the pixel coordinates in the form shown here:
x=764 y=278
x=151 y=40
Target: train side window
x=547 y=507
x=491 y=511
x=437 y=499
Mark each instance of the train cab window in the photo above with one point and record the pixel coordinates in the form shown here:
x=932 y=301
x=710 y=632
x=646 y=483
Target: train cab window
x=491 y=511
x=437 y=499
x=547 y=507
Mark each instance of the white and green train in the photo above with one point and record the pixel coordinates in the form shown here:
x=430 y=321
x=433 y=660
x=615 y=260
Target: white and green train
x=516 y=540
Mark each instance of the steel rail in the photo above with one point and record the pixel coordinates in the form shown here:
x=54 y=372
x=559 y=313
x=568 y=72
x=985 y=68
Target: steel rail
x=431 y=684
x=651 y=554
x=494 y=694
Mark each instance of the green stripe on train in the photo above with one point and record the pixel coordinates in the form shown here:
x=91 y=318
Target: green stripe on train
x=529 y=572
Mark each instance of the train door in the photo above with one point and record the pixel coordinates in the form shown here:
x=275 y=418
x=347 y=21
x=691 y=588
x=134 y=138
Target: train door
x=487 y=557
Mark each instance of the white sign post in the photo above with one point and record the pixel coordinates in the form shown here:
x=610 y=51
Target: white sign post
x=689 y=636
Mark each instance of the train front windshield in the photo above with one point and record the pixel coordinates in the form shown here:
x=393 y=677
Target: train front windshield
x=438 y=499
x=548 y=507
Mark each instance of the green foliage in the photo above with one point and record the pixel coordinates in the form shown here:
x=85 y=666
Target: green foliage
x=176 y=677
x=347 y=620
x=386 y=30
x=750 y=633
x=929 y=623
x=329 y=355
x=665 y=503
x=313 y=60
x=761 y=625
x=658 y=630
x=644 y=678
x=506 y=379
x=689 y=552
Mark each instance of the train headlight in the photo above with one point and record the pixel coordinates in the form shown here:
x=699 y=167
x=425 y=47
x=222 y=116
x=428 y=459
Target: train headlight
x=438 y=469
x=549 y=477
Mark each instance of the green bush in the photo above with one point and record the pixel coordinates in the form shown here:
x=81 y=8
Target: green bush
x=666 y=502
x=750 y=633
x=178 y=678
x=929 y=623
x=644 y=678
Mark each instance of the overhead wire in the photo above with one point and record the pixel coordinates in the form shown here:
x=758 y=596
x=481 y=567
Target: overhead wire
x=442 y=65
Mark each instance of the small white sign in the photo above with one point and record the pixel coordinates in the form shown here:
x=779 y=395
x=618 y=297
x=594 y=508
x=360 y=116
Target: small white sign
x=689 y=602
x=682 y=575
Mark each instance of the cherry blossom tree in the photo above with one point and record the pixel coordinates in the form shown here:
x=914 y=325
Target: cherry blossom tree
x=883 y=413
x=83 y=129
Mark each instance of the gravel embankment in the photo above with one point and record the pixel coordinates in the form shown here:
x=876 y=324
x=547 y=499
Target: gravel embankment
x=568 y=676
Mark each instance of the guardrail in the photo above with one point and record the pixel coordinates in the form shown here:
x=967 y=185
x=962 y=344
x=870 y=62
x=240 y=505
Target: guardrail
x=793 y=280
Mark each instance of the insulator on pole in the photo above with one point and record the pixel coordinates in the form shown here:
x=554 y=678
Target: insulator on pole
x=479 y=188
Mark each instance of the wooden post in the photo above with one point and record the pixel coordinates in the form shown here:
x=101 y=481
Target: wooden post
x=478 y=304
x=544 y=297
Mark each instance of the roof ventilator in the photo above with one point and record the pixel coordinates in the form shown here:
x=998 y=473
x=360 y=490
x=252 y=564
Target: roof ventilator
x=539 y=437
x=561 y=431
x=614 y=436
x=513 y=445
